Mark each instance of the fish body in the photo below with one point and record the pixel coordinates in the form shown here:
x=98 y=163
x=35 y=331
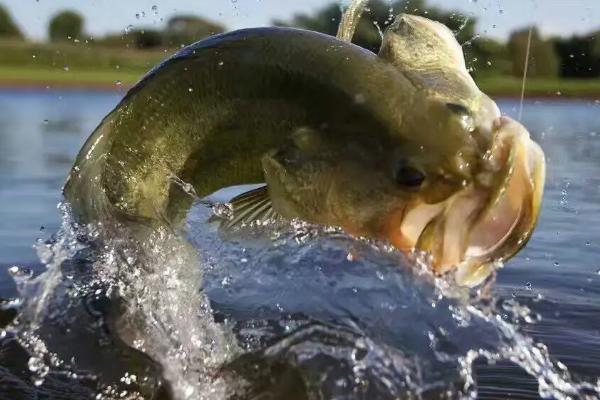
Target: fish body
x=394 y=146
x=210 y=113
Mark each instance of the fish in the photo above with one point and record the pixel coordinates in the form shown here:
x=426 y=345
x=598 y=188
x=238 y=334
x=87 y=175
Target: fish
x=399 y=146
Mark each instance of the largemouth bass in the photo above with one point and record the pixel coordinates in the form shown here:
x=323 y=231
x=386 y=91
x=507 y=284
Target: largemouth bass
x=400 y=146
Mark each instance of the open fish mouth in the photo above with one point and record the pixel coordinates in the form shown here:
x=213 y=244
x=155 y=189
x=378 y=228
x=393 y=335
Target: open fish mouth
x=492 y=218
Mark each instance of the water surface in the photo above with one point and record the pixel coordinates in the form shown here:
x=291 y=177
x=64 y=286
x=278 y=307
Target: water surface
x=557 y=275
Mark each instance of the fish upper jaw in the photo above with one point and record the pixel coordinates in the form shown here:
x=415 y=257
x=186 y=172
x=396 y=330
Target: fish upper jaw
x=489 y=220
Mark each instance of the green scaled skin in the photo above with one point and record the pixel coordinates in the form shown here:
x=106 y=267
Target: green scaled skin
x=208 y=115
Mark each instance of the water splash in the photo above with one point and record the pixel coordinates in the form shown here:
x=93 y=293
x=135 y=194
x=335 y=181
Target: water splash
x=212 y=314
x=305 y=280
x=138 y=303
x=350 y=20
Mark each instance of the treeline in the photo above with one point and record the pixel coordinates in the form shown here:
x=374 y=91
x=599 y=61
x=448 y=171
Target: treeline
x=69 y=26
x=565 y=57
x=574 y=57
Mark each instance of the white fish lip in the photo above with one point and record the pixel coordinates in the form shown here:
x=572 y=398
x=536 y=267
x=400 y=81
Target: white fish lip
x=509 y=218
x=478 y=228
x=519 y=197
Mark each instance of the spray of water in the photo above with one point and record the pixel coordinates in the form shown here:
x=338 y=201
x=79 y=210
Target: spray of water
x=350 y=19
x=211 y=316
x=145 y=293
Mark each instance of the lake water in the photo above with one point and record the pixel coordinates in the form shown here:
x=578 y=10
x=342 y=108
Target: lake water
x=557 y=275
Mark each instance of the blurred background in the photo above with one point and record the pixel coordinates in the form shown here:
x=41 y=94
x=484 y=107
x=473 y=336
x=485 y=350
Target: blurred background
x=103 y=44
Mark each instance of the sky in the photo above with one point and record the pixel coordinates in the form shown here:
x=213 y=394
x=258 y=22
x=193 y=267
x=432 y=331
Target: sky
x=497 y=18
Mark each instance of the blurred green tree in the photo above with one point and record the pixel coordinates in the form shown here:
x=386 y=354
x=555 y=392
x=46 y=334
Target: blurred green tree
x=65 y=25
x=579 y=56
x=147 y=38
x=543 y=61
x=8 y=28
x=187 y=29
x=486 y=56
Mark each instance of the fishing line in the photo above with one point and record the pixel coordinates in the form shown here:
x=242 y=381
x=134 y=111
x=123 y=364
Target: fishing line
x=525 y=71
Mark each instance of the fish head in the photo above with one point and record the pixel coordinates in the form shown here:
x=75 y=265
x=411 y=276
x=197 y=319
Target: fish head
x=484 y=174
x=478 y=204
x=446 y=175
x=467 y=204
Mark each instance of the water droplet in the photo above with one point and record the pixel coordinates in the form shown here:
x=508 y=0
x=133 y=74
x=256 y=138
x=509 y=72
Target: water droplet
x=37 y=366
x=20 y=273
x=118 y=82
x=222 y=210
x=66 y=67
x=556 y=264
x=598 y=271
x=528 y=286
x=588 y=243
x=137 y=15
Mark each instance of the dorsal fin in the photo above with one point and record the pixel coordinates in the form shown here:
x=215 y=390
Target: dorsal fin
x=428 y=54
x=417 y=43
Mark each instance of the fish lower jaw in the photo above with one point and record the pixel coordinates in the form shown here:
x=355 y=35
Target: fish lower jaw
x=472 y=273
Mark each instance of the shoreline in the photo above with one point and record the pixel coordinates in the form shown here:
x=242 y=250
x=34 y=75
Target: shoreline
x=100 y=86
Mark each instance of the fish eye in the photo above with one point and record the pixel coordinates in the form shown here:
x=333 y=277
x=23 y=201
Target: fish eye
x=409 y=176
x=458 y=109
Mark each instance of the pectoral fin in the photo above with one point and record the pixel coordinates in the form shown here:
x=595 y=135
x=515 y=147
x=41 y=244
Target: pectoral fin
x=250 y=207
